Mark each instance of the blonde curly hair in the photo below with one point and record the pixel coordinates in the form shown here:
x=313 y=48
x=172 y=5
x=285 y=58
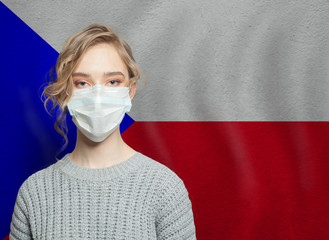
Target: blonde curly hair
x=60 y=86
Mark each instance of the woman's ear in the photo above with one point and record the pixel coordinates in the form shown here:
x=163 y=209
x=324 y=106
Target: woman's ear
x=132 y=90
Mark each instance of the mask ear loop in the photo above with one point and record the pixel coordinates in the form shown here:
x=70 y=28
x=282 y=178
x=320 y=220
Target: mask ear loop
x=129 y=86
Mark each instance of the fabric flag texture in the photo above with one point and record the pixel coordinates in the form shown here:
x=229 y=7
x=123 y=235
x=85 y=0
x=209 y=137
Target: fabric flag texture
x=235 y=102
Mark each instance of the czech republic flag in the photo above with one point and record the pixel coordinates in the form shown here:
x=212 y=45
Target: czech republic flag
x=235 y=102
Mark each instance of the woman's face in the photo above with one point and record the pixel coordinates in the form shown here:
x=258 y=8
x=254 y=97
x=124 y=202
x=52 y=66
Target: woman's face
x=101 y=64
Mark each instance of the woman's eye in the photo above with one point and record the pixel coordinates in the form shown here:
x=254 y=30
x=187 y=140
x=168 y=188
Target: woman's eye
x=113 y=82
x=81 y=84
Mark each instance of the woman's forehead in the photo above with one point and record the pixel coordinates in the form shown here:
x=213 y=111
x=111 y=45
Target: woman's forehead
x=102 y=58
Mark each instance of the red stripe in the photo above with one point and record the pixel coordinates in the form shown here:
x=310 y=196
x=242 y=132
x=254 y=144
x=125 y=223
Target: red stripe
x=246 y=180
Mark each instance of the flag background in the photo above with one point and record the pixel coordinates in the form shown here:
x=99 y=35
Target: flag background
x=235 y=103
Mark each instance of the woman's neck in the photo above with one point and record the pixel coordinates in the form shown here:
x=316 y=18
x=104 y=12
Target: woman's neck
x=109 y=152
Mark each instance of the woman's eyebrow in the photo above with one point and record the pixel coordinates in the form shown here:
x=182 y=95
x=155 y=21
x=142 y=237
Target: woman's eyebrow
x=106 y=74
x=109 y=74
x=81 y=74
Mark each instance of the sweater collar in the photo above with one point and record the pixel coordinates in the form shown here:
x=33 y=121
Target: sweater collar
x=98 y=174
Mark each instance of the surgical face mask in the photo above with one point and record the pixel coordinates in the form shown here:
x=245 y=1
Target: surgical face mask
x=98 y=110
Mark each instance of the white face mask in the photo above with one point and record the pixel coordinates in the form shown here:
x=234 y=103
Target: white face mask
x=98 y=110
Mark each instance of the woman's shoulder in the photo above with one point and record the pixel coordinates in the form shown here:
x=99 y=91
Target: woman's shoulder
x=38 y=178
x=158 y=168
x=165 y=177
x=170 y=190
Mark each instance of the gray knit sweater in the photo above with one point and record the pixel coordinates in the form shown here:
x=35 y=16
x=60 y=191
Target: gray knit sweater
x=139 y=198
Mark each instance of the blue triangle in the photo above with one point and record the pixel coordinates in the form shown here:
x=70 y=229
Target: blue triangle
x=29 y=141
x=126 y=123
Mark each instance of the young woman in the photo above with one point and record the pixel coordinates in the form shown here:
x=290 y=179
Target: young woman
x=104 y=189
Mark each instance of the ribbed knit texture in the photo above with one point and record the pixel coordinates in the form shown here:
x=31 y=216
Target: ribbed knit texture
x=139 y=198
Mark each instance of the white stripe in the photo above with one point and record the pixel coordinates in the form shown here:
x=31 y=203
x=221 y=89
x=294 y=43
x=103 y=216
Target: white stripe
x=210 y=60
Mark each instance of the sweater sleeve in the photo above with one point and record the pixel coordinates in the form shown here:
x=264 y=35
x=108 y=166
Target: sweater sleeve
x=175 y=216
x=20 y=227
